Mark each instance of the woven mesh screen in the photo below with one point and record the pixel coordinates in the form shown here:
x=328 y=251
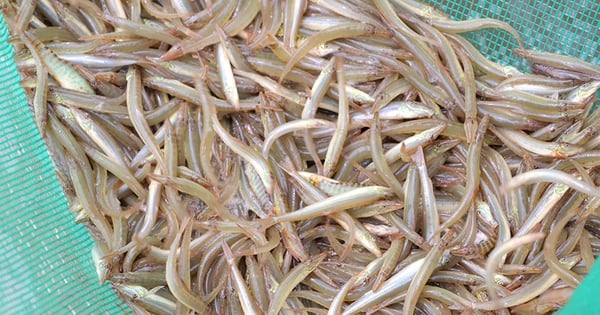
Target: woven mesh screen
x=566 y=27
x=45 y=261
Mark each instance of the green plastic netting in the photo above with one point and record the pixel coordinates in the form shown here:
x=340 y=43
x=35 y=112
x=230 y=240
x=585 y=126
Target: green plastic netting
x=45 y=261
x=569 y=27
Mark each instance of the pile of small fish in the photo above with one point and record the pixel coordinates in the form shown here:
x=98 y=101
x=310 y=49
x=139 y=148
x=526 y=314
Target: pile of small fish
x=322 y=157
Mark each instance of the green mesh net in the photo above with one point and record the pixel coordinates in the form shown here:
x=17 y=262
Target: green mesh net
x=565 y=27
x=45 y=261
